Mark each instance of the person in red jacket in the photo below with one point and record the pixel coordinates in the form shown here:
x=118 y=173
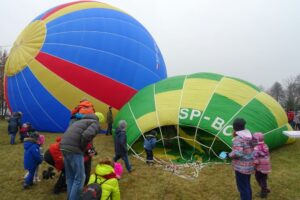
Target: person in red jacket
x=53 y=156
x=291 y=116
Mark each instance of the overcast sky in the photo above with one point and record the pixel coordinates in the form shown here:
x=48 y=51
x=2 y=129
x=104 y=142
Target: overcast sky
x=255 y=40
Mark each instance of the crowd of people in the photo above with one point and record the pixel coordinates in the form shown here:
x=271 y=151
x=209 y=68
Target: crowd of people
x=72 y=154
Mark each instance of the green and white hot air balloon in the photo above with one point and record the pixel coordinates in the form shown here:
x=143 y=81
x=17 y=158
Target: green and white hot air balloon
x=193 y=115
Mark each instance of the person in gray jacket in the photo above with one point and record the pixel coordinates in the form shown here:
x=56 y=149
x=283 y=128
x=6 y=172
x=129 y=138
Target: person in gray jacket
x=73 y=144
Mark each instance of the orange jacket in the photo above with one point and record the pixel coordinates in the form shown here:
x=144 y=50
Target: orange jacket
x=84 y=107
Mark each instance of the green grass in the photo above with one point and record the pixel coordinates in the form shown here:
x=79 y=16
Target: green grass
x=149 y=182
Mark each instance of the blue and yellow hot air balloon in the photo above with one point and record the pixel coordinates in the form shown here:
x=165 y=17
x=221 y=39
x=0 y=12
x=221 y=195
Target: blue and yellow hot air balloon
x=78 y=50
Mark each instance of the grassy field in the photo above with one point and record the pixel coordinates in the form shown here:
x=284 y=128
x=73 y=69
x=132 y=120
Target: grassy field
x=149 y=182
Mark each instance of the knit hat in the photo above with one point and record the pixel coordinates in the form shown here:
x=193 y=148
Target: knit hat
x=34 y=136
x=41 y=140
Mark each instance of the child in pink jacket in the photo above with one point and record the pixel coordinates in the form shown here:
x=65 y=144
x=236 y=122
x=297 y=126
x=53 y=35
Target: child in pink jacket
x=262 y=163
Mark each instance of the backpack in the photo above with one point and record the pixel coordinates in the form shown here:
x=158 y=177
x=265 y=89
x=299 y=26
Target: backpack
x=93 y=191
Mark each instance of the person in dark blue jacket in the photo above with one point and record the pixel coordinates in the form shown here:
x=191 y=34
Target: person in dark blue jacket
x=14 y=123
x=32 y=158
x=149 y=144
x=121 y=145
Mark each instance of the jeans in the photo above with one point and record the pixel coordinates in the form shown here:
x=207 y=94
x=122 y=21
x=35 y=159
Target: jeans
x=243 y=185
x=75 y=176
x=12 y=137
x=126 y=160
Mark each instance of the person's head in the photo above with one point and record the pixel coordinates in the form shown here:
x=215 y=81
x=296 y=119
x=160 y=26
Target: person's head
x=258 y=137
x=106 y=161
x=239 y=124
x=41 y=140
x=35 y=136
x=122 y=124
x=109 y=107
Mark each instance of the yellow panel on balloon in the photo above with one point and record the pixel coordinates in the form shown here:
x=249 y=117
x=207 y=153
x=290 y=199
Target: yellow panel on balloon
x=236 y=91
x=147 y=122
x=167 y=106
x=197 y=93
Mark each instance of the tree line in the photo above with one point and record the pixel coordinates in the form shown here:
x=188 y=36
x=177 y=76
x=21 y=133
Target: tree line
x=287 y=94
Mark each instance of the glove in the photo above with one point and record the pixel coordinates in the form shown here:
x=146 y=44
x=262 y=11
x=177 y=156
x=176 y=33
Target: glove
x=223 y=155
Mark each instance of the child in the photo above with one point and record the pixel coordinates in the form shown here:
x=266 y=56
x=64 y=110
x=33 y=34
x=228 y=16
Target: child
x=40 y=142
x=32 y=158
x=262 y=163
x=105 y=175
x=149 y=144
x=25 y=131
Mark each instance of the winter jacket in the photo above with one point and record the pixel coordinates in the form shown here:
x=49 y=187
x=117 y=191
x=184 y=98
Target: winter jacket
x=120 y=142
x=149 y=142
x=261 y=155
x=32 y=156
x=14 y=123
x=110 y=188
x=56 y=154
x=79 y=134
x=241 y=153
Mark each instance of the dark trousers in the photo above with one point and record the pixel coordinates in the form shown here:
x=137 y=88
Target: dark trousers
x=262 y=181
x=149 y=154
x=60 y=185
x=109 y=128
x=87 y=170
x=243 y=185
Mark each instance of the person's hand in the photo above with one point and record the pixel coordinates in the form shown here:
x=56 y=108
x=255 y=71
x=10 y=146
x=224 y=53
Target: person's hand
x=92 y=154
x=223 y=155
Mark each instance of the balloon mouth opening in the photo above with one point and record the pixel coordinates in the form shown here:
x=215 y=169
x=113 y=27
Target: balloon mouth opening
x=183 y=144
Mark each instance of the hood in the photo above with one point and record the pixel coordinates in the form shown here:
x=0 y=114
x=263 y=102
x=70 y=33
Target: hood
x=259 y=137
x=244 y=134
x=104 y=169
x=28 y=142
x=85 y=103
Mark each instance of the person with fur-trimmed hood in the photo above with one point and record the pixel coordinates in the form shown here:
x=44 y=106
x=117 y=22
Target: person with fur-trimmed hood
x=242 y=160
x=32 y=158
x=73 y=144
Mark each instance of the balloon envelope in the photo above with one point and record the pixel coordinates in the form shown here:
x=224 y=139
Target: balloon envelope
x=76 y=50
x=194 y=114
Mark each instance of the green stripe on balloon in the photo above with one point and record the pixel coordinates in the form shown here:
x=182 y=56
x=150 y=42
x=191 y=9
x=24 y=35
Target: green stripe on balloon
x=170 y=84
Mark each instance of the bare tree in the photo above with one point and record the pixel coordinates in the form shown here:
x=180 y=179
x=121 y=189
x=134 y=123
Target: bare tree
x=3 y=106
x=277 y=93
x=291 y=94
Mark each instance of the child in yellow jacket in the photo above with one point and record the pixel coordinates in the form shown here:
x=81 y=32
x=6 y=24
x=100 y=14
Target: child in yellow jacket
x=106 y=176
